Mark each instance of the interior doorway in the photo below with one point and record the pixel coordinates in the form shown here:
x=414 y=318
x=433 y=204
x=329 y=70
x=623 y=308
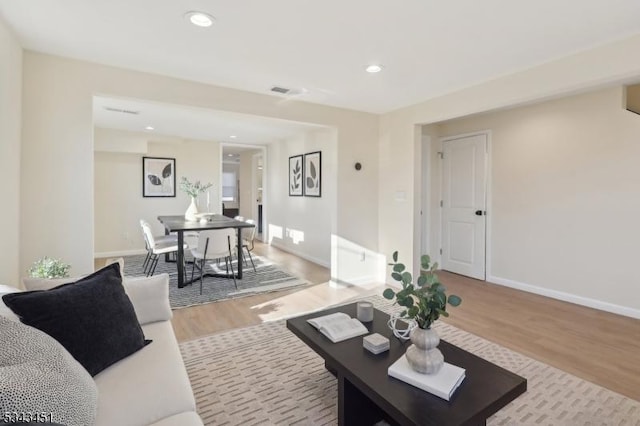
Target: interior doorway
x=464 y=204
x=243 y=180
x=257 y=165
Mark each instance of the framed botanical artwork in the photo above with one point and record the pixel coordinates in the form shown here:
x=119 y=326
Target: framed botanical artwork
x=313 y=174
x=158 y=177
x=295 y=176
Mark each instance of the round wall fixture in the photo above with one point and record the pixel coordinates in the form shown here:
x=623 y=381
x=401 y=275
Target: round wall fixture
x=358 y=166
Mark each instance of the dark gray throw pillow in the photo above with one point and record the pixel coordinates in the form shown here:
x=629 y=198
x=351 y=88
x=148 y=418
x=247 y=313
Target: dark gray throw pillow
x=92 y=318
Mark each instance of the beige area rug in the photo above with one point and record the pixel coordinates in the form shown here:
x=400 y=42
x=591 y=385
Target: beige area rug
x=264 y=375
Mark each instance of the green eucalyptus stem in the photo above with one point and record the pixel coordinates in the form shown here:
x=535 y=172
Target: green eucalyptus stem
x=425 y=300
x=193 y=189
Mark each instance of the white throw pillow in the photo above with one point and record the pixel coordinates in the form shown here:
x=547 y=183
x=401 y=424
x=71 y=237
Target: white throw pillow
x=119 y=261
x=150 y=297
x=37 y=375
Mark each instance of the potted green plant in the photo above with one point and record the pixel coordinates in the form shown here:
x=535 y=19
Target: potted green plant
x=49 y=268
x=193 y=190
x=424 y=302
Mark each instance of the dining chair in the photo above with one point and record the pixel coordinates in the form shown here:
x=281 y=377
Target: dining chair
x=214 y=244
x=158 y=239
x=157 y=249
x=247 y=241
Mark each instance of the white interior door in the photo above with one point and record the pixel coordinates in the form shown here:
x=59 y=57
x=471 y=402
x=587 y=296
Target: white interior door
x=464 y=205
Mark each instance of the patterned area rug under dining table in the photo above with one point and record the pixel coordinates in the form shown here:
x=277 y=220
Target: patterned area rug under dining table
x=265 y=375
x=268 y=277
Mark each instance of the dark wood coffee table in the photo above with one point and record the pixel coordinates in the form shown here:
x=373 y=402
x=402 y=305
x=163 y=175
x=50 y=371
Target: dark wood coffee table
x=366 y=394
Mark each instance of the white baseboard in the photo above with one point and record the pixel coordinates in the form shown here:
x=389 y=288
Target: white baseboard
x=363 y=281
x=368 y=281
x=120 y=253
x=567 y=297
x=302 y=255
x=333 y=283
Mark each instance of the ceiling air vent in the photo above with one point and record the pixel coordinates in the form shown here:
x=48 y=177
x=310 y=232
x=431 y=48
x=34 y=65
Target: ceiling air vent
x=123 y=111
x=281 y=90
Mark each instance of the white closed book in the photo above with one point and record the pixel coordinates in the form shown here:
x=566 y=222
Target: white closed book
x=443 y=383
x=338 y=327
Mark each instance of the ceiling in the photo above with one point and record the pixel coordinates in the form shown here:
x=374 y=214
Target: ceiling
x=320 y=48
x=192 y=123
x=231 y=153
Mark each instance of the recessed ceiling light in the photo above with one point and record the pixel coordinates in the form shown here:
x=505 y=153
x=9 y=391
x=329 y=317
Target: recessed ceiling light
x=229 y=155
x=374 y=68
x=149 y=128
x=200 y=19
x=233 y=136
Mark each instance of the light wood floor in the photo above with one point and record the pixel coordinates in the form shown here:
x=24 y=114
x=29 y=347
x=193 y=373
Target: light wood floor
x=201 y=320
x=597 y=346
x=594 y=345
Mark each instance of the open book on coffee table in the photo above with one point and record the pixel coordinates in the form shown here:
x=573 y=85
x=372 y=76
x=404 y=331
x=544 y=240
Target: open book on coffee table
x=338 y=327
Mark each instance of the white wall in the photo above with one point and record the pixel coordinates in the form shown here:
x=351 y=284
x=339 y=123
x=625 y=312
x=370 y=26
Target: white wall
x=400 y=130
x=119 y=204
x=10 y=124
x=565 y=197
x=303 y=225
x=428 y=224
x=57 y=142
x=248 y=195
x=112 y=140
x=600 y=67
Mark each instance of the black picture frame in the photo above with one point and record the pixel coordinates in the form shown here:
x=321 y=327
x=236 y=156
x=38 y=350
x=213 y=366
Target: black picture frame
x=313 y=174
x=158 y=177
x=296 y=175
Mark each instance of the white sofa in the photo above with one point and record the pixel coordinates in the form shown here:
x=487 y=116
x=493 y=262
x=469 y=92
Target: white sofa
x=150 y=387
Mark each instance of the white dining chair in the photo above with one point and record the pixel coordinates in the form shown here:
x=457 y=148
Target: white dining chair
x=157 y=249
x=247 y=241
x=214 y=245
x=158 y=239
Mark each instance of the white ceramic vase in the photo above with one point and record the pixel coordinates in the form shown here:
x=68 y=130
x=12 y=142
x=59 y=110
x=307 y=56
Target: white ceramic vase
x=192 y=211
x=424 y=355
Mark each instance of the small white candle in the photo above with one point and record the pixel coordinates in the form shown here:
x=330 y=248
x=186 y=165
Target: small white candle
x=364 y=311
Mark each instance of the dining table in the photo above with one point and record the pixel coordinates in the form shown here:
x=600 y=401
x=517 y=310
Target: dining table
x=180 y=225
